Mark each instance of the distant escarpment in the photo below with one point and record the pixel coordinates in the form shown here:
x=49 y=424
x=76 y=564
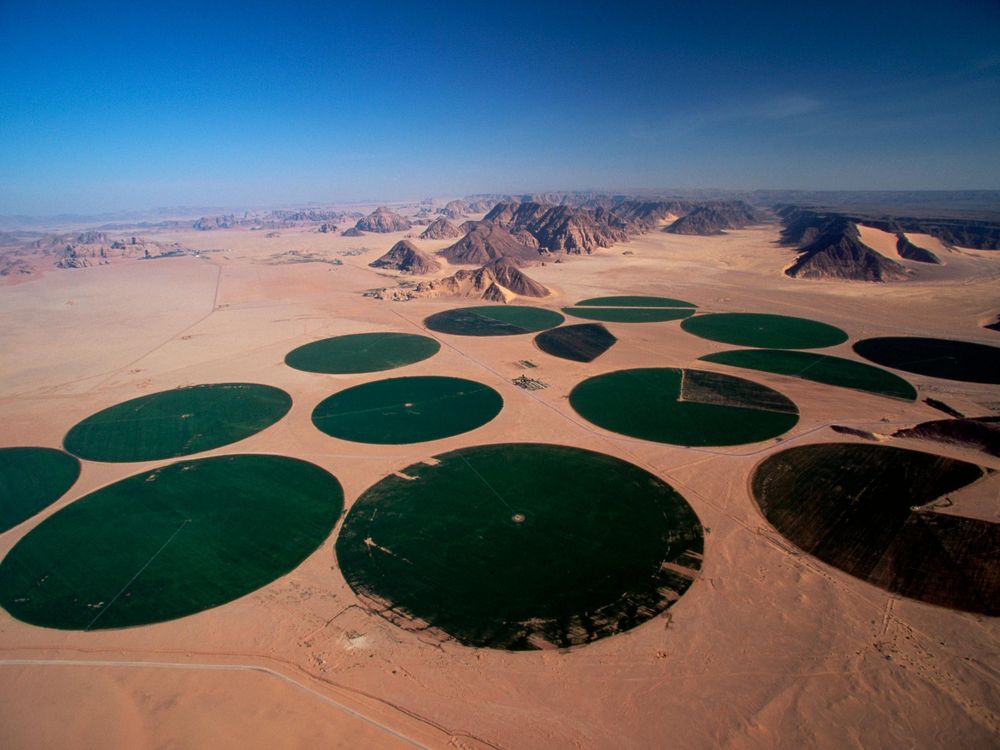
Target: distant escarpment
x=499 y=280
x=487 y=242
x=838 y=253
x=208 y=223
x=440 y=229
x=383 y=220
x=406 y=257
x=714 y=218
x=908 y=250
x=559 y=228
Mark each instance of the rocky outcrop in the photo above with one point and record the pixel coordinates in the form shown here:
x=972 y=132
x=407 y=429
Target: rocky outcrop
x=382 y=220
x=642 y=216
x=838 y=253
x=498 y=281
x=714 y=218
x=480 y=205
x=440 y=229
x=488 y=242
x=908 y=250
x=977 y=433
x=406 y=257
x=208 y=223
x=352 y=232
x=994 y=326
x=454 y=210
x=559 y=228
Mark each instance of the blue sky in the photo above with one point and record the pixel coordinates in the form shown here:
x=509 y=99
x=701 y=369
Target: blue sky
x=131 y=106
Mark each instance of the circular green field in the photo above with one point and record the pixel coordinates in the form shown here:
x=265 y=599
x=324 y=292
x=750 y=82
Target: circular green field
x=362 y=352
x=634 y=301
x=765 y=331
x=869 y=510
x=939 y=358
x=819 y=368
x=684 y=407
x=170 y=542
x=629 y=314
x=178 y=422
x=521 y=546
x=493 y=320
x=407 y=410
x=32 y=479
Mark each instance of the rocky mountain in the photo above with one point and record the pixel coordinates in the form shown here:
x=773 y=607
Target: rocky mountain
x=908 y=250
x=714 y=218
x=487 y=242
x=382 y=220
x=642 y=216
x=838 y=253
x=352 y=232
x=480 y=205
x=559 y=228
x=406 y=257
x=497 y=281
x=454 y=210
x=978 y=234
x=440 y=229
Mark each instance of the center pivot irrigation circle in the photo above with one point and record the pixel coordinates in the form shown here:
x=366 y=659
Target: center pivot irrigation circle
x=178 y=422
x=407 y=410
x=493 y=320
x=170 y=542
x=939 y=358
x=684 y=407
x=362 y=352
x=521 y=546
x=764 y=331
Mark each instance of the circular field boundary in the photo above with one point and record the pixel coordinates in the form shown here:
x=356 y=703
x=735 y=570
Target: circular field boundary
x=361 y=353
x=405 y=410
x=764 y=331
x=520 y=546
x=177 y=422
x=170 y=542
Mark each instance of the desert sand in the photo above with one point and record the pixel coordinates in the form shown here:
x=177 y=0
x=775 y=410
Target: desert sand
x=768 y=648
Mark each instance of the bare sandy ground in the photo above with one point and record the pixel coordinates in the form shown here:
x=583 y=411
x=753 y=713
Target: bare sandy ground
x=768 y=648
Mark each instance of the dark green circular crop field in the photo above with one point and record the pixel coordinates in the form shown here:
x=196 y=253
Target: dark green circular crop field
x=178 y=422
x=764 y=331
x=493 y=320
x=684 y=407
x=31 y=479
x=939 y=358
x=634 y=301
x=170 y=542
x=819 y=368
x=521 y=546
x=869 y=510
x=407 y=410
x=362 y=352
x=629 y=314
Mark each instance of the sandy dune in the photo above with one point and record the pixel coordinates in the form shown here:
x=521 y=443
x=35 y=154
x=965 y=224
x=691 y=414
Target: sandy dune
x=768 y=648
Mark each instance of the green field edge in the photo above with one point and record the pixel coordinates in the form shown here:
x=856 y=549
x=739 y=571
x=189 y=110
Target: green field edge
x=731 y=359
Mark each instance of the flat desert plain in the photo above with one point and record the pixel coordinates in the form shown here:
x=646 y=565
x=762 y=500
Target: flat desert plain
x=769 y=647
